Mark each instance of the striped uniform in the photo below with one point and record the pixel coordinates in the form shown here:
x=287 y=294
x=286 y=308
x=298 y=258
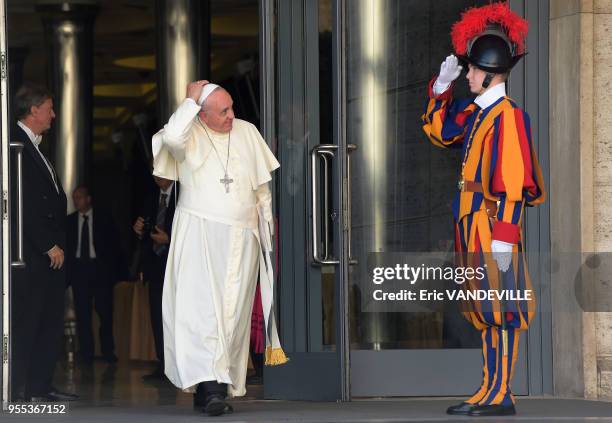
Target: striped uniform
x=500 y=165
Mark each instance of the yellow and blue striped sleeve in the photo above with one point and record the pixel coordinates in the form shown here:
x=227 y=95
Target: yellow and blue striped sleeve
x=515 y=174
x=444 y=121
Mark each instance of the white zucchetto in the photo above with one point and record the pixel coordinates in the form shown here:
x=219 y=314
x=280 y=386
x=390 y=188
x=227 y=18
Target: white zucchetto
x=206 y=91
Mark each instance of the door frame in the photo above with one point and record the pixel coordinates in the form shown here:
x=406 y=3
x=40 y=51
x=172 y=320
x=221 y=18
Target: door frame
x=5 y=245
x=529 y=86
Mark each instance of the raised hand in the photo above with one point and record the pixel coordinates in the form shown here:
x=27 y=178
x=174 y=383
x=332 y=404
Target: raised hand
x=450 y=70
x=194 y=89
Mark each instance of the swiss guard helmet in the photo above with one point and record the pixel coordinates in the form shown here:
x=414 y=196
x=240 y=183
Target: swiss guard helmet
x=491 y=37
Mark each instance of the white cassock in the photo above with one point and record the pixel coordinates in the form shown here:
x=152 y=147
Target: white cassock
x=219 y=242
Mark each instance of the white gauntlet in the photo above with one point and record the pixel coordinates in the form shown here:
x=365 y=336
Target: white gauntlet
x=502 y=253
x=450 y=70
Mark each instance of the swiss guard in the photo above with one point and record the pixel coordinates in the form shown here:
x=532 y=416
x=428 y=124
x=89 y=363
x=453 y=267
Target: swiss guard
x=498 y=178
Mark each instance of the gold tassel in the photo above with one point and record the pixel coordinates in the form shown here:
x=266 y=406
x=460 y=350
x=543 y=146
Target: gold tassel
x=275 y=356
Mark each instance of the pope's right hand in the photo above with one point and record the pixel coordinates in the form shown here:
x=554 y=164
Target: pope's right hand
x=194 y=89
x=450 y=70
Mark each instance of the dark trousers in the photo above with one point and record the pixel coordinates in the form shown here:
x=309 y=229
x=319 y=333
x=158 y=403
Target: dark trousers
x=92 y=286
x=37 y=320
x=156 y=287
x=258 y=363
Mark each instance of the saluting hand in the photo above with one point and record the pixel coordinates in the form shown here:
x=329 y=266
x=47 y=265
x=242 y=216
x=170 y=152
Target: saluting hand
x=194 y=89
x=450 y=70
x=56 y=254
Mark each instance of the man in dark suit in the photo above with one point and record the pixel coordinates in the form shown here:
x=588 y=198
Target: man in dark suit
x=93 y=261
x=154 y=228
x=37 y=290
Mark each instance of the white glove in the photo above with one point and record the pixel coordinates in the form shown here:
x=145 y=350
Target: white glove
x=502 y=253
x=450 y=70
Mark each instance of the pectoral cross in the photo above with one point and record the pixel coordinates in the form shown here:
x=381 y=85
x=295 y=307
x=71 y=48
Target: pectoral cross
x=226 y=181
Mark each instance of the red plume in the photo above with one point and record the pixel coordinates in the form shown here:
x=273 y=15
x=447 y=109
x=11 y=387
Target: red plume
x=475 y=20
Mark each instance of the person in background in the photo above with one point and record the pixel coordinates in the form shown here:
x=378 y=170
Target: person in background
x=37 y=289
x=154 y=229
x=93 y=254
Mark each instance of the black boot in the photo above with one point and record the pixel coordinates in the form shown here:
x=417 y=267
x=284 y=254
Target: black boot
x=493 y=410
x=461 y=409
x=215 y=398
x=215 y=405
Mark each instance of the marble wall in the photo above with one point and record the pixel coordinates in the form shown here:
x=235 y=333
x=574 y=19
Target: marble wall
x=567 y=179
x=602 y=177
x=581 y=185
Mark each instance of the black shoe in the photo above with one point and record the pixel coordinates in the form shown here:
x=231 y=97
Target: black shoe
x=461 y=409
x=54 y=396
x=215 y=406
x=493 y=410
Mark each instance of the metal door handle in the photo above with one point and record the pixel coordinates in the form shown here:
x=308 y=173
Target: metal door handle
x=327 y=156
x=18 y=148
x=326 y=152
x=349 y=209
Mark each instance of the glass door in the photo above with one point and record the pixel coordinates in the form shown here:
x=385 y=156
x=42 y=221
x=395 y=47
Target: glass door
x=400 y=193
x=307 y=200
x=359 y=177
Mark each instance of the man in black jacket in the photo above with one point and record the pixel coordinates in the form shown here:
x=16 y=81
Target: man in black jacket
x=154 y=228
x=37 y=290
x=93 y=257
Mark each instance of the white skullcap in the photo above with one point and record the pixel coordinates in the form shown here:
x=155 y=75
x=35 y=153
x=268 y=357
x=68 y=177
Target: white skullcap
x=206 y=91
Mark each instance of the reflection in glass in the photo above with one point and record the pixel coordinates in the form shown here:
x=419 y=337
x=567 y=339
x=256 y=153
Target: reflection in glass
x=401 y=187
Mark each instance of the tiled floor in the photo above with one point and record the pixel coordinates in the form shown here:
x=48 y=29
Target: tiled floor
x=111 y=385
x=117 y=394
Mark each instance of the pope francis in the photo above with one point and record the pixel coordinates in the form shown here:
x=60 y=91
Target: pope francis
x=221 y=242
